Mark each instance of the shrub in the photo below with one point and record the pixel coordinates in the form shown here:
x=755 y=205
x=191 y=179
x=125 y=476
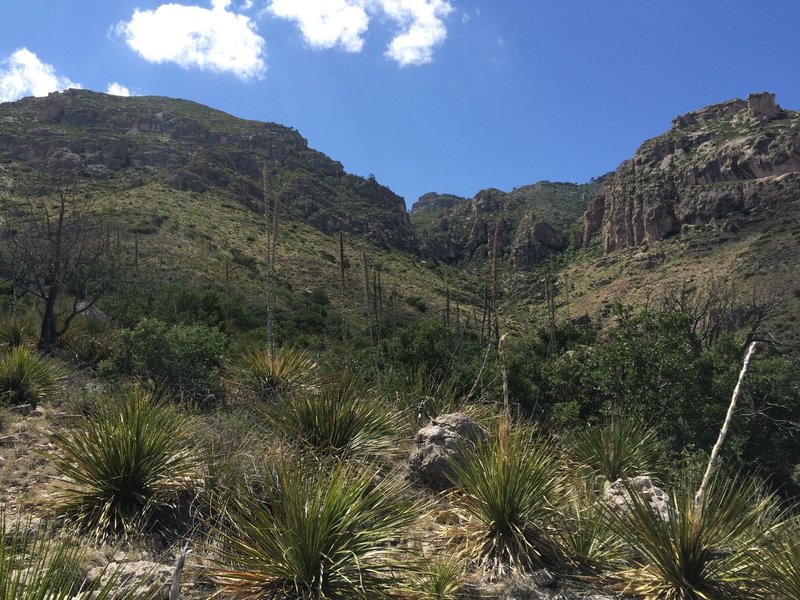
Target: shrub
x=25 y=377
x=704 y=551
x=780 y=564
x=509 y=485
x=183 y=359
x=323 y=531
x=290 y=369
x=340 y=419
x=124 y=462
x=17 y=331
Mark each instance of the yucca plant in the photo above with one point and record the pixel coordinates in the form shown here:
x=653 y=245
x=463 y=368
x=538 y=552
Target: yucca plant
x=342 y=418
x=16 y=331
x=587 y=543
x=85 y=344
x=701 y=551
x=621 y=447
x=287 y=370
x=436 y=579
x=26 y=377
x=510 y=486
x=125 y=462
x=779 y=571
x=37 y=563
x=322 y=531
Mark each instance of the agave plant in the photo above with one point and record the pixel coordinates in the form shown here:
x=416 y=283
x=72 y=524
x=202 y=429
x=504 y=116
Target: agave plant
x=322 y=531
x=510 y=486
x=37 y=563
x=287 y=370
x=701 y=551
x=124 y=462
x=621 y=447
x=342 y=419
x=25 y=377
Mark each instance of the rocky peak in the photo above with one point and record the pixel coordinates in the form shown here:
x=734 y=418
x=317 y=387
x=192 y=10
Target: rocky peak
x=729 y=157
x=435 y=202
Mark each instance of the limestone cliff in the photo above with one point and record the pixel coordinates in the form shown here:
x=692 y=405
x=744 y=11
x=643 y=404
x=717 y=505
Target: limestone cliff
x=731 y=157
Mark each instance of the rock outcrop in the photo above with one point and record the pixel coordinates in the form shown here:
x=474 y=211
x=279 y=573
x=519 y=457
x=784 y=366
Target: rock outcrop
x=731 y=157
x=618 y=495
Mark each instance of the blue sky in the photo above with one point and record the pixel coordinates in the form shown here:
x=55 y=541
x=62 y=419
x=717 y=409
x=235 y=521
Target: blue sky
x=427 y=95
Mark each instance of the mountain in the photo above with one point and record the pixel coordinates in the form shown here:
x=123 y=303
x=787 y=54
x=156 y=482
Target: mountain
x=190 y=147
x=732 y=158
x=532 y=222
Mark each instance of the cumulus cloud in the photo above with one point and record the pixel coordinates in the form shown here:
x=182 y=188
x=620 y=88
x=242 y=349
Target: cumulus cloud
x=117 y=89
x=423 y=29
x=214 y=39
x=343 y=23
x=326 y=23
x=23 y=74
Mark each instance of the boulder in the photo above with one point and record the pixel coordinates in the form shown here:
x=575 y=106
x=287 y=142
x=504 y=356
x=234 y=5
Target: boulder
x=442 y=444
x=618 y=495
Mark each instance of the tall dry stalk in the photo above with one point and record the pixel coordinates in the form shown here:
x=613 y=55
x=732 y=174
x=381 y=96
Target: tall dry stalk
x=712 y=461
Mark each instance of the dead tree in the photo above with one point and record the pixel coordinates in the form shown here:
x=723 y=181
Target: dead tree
x=57 y=251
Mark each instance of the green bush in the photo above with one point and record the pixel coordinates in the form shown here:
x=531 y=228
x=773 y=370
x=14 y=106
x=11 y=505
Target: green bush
x=184 y=359
x=25 y=377
x=124 y=463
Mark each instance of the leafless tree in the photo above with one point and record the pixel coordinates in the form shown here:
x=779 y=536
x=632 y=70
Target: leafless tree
x=56 y=250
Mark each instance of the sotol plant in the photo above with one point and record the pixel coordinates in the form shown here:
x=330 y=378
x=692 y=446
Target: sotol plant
x=322 y=531
x=123 y=463
x=25 y=377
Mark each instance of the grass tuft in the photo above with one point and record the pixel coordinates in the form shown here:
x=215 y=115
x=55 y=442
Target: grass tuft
x=288 y=370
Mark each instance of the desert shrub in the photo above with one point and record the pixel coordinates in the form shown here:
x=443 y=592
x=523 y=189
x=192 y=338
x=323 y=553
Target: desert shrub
x=125 y=463
x=17 y=330
x=289 y=369
x=26 y=377
x=779 y=571
x=343 y=418
x=510 y=486
x=183 y=359
x=698 y=551
x=87 y=342
x=323 y=531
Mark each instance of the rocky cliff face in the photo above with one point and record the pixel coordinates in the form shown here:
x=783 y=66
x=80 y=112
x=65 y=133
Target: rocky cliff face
x=731 y=157
x=530 y=222
x=193 y=148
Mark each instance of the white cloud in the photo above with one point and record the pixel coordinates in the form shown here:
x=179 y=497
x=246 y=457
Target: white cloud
x=117 y=89
x=329 y=23
x=214 y=39
x=326 y=23
x=23 y=74
x=423 y=29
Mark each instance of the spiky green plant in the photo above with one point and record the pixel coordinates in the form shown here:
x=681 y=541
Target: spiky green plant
x=779 y=571
x=287 y=370
x=621 y=447
x=510 y=486
x=342 y=419
x=322 y=531
x=25 y=377
x=582 y=531
x=125 y=462
x=86 y=345
x=436 y=579
x=36 y=563
x=16 y=331
x=705 y=551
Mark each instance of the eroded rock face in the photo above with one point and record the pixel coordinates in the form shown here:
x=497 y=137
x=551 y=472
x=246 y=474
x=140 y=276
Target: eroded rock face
x=735 y=156
x=440 y=445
